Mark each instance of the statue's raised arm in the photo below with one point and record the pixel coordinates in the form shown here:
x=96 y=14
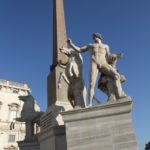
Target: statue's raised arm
x=76 y=48
x=101 y=61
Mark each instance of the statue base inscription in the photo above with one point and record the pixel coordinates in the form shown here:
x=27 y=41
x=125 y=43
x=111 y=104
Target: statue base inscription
x=104 y=127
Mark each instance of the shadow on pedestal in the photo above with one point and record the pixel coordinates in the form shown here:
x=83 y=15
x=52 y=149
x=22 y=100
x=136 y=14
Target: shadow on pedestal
x=53 y=138
x=29 y=145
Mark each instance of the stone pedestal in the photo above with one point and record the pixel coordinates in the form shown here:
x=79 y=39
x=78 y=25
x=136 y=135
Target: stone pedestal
x=29 y=145
x=104 y=127
x=53 y=138
x=52 y=135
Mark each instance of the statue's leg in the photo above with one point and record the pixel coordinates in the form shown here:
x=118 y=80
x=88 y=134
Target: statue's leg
x=93 y=77
x=78 y=88
x=70 y=69
x=75 y=69
x=110 y=71
x=84 y=94
x=79 y=99
x=110 y=89
x=29 y=130
x=118 y=88
x=71 y=96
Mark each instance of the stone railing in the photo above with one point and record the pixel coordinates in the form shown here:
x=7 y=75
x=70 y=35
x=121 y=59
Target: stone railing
x=14 y=84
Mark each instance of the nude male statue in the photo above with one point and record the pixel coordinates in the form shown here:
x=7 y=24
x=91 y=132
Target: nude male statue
x=99 y=54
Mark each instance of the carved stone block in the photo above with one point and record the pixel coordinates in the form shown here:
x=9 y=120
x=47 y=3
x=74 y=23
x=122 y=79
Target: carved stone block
x=104 y=127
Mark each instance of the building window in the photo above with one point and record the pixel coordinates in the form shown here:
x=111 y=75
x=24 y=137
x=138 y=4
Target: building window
x=13 y=115
x=1 y=104
x=12 y=138
x=13 y=109
x=16 y=91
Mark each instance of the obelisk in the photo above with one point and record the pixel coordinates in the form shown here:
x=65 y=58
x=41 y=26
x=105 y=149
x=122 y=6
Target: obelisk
x=59 y=40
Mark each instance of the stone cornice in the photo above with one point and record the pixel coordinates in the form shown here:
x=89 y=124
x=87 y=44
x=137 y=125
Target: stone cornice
x=123 y=105
x=13 y=84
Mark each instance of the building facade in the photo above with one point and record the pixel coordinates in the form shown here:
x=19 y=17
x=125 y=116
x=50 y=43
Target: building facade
x=10 y=108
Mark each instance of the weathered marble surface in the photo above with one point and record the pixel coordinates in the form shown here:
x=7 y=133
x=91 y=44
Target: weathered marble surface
x=100 y=54
x=73 y=77
x=106 y=83
x=104 y=127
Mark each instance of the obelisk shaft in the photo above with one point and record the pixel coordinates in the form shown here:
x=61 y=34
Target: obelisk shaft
x=59 y=40
x=59 y=31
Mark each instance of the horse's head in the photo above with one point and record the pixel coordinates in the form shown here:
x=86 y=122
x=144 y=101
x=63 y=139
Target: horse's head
x=26 y=98
x=65 y=50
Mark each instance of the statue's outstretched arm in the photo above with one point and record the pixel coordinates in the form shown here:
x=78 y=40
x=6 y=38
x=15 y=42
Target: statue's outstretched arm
x=76 y=48
x=84 y=48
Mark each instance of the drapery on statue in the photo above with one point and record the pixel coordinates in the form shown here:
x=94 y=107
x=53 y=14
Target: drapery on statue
x=100 y=55
x=29 y=115
x=73 y=77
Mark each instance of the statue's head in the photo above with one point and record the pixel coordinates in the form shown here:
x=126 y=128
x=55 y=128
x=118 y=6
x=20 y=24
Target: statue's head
x=97 y=36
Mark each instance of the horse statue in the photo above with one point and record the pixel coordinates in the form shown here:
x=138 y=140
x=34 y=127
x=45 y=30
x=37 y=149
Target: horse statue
x=73 y=77
x=29 y=115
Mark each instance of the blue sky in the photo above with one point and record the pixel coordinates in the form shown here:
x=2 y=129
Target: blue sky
x=26 y=45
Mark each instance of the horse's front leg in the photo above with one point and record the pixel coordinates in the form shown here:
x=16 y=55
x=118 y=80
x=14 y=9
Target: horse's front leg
x=62 y=75
x=65 y=78
x=59 y=80
x=75 y=70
